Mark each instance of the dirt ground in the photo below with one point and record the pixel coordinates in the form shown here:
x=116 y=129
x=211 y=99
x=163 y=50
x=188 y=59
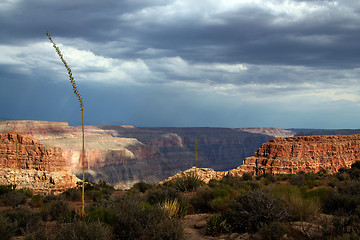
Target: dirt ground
x=195 y=229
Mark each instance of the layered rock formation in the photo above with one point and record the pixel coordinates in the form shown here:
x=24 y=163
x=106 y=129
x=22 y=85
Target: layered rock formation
x=123 y=155
x=289 y=155
x=33 y=165
x=308 y=154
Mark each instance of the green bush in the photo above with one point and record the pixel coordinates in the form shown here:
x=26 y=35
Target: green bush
x=40 y=234
x=136 y=220
x=188 y=182
x=217 y=225
x=223 y=196
x=247 y=177
x=200 y=201
x=232 y=181
x=160 y=194
x=267 y=178
x=348 y=236
x=27 y=192
x=37 y=201
x=7 y=228
x=319 y=194
x=103 y=215
x=23 y=220
x=298 y=180
x=272 y=230
x=301 y=208
x=5 y=189
x=98 y=191
x=142 y=186
x=56 y=210
x=72 y=194
x=84 y=230
x=14 y=198
x=50 y=198
x=255 y=207
x=343 y=199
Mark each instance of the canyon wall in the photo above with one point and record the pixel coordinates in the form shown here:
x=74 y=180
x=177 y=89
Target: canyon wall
x=33 y=165
x=306 y=153
x=290 y=155
x=123 y=155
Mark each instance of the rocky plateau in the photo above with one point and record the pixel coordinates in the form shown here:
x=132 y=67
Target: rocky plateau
x=124 y=155
x=290 y=155
x=28 y=164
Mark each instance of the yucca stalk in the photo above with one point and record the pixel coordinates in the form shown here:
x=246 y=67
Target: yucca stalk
x=72 y=80
x=16 y=159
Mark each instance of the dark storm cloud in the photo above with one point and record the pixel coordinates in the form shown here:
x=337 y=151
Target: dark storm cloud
x=92 y=20
x=157 y=63
x=327 y=37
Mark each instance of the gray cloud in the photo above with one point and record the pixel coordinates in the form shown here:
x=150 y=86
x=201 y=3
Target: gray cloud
x=222 y=63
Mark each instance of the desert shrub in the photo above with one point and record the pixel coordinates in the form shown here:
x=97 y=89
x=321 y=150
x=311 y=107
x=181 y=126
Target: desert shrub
x=255 y=207
x=14 y=198
x=23 y=220
x=103 y=215
x=223 y=195
x=343 y=199
x=319 y=194
x=94 y=195
x=136 y=220
x=84 y=230
x=344 y=225
x=142 y=186
x=272 y=230
x=200 y=201
x=213 y=199
x=50 y=198
x=355 y=165
x=247 y=177
x=217 y=225
x=300 y=208
x=7 y=228
x=213 y=183
x=188 y=182
x=56 y=210
x=343 y=176
x=160 y=194
x=40 y=234
x=98 y=191
x=72 y=194
x=348 y=236
x=36 y=200
x=232 y=181
x=171 y=208
x=5 y=189
x=266 y=178
x=284 y=177
x=27 y=192
x=355 y=170
x=298 y=180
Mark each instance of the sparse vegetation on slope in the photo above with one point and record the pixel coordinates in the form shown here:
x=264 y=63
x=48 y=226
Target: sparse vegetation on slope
x=268 y=207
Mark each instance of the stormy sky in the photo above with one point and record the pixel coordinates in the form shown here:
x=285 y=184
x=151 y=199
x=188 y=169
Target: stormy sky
x=183 y=63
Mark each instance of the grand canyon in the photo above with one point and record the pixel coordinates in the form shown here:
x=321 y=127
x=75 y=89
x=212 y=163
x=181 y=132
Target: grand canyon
x=124 y=155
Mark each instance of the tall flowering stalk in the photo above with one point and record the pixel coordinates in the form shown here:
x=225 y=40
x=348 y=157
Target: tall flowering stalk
x=16 y=159
x=72 y=80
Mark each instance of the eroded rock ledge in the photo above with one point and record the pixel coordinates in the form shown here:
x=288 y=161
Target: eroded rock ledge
x=289 y=155
x=40 y=168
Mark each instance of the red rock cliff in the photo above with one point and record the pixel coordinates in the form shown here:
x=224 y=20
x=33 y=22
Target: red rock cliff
x=285 y=155
x=35 y=166
x=309 y=154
